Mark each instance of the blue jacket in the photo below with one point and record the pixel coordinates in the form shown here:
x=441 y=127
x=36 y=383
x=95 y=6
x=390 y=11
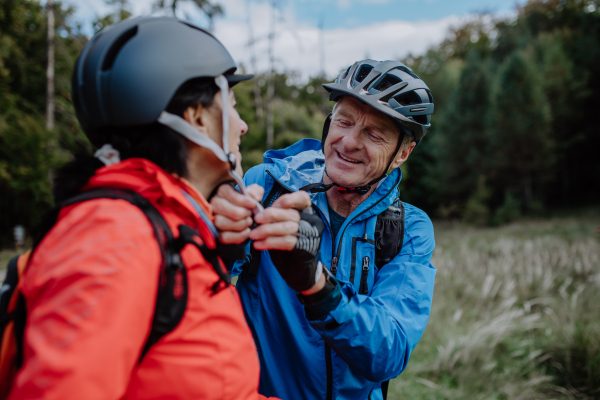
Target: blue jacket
x=367 y=339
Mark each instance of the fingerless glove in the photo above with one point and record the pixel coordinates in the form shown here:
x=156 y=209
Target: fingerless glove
x=299 y=267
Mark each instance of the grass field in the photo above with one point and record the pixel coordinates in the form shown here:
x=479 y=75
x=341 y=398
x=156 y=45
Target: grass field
x=5 y=256
x=516 y=314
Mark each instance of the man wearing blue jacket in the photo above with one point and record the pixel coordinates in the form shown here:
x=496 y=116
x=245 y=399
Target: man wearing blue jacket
x=329 y=322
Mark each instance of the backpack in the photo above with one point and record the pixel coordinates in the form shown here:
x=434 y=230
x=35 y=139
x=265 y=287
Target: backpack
x=389 y=239
x=172 y=294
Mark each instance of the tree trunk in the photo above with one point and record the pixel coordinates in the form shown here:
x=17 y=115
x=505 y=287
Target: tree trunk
x=324 y=93
x=50 y=67
x=258 y=101
x=271 y=84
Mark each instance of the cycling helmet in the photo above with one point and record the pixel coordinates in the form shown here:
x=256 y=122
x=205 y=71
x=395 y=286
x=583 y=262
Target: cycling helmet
x=390 y=87
x=127 y=74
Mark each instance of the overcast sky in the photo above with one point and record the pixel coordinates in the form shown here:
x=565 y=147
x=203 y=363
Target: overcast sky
x=351 y=29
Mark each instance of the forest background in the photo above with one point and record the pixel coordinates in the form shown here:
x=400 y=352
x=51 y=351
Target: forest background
x=510 y=171
x=514 y=131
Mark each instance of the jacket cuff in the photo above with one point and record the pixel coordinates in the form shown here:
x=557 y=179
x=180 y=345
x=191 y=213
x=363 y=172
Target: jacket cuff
x=318 y=305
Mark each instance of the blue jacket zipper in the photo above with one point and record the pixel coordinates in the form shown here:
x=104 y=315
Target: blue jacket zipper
x=364 y=287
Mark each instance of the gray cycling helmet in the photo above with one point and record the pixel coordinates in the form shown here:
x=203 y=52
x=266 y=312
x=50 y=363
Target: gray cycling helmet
x=128 y=73
x=390 y=87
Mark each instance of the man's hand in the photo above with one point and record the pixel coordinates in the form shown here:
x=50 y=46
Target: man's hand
x=299 y=267
x=293 y=240
x=278 y=224
x=292 y=252
x=233 y=212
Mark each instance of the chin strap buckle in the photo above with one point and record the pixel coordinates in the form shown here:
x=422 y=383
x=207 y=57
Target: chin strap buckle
x=362 y=190
x=232 y=161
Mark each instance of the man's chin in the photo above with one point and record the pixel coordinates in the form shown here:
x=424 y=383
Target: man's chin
x=343 y=178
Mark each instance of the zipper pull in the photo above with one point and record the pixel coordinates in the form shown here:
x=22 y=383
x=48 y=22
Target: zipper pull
x=364 y=276
x=334 y=263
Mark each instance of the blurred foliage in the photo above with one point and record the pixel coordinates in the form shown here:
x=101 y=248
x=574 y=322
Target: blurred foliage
x=515 y=103
x=299 y=111
x=515 y=112
x=28 y=151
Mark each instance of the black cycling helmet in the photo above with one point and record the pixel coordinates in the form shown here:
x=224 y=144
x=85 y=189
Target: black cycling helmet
x=127 y=74
x=390 y=87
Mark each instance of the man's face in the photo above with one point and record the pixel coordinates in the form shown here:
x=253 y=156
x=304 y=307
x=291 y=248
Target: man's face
x=360 y=143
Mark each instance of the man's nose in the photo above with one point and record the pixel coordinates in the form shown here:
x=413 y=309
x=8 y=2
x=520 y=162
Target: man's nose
x=244 y=127
x=353 y=139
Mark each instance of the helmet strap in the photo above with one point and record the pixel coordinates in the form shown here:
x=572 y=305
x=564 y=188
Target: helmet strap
x=224 y=87
x=185 y=129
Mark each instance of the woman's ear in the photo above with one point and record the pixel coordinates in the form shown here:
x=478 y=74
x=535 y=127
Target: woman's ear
x=195 y=116
x=402 y=155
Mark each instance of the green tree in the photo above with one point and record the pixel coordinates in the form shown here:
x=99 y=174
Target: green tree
x=210 y=9
x=566 y=92
x=28 y=152
x=122 y=12
x=522 y=146
x=461 y=148
x=476 y=210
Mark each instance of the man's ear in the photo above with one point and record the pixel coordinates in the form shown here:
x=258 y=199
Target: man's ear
x=195 y=116
x=402 y=155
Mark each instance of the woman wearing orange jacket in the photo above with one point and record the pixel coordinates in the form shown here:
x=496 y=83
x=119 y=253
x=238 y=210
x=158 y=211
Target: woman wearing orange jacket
x=153 y=94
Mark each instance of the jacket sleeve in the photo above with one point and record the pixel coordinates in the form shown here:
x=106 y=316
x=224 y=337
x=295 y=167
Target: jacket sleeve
x=375 y=334
x=90 y=292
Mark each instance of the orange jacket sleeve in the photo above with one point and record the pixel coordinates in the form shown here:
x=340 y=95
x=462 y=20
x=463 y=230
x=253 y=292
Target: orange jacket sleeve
x=90 y=292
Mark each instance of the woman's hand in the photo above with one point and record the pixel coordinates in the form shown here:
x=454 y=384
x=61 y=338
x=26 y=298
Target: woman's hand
x=233 y=212
x=278 y=224
x=277 y=229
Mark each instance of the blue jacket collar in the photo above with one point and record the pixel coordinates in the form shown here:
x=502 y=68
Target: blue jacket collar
x=303 y=163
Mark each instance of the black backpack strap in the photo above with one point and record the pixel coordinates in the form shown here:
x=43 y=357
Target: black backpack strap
x=389 y=233
x=384 y=389
x=389 y=239
x=187 y=235
x=172 y=293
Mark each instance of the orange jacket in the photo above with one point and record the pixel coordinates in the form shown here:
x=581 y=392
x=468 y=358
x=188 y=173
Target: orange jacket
x=90 y=290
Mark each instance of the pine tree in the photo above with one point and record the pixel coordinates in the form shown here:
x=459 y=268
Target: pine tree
x=463 y=140
x=522 y=146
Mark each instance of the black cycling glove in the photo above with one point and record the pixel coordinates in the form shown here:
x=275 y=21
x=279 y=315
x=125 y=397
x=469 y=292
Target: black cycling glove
x=299 y=267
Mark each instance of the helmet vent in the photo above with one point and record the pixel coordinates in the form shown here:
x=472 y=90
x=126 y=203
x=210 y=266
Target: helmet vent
x=118 y=44
x=406 y=99
x=363 y=72
x=421 y=119
x=387 y=82
x=346 y=73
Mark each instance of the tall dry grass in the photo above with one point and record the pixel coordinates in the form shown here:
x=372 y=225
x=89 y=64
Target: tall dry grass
x=516 y=314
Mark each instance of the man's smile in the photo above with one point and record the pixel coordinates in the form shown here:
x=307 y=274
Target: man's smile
x=347 y=159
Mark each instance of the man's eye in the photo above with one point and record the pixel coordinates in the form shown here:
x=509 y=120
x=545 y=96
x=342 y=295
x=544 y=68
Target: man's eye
x=374 y=135
x=345 y=123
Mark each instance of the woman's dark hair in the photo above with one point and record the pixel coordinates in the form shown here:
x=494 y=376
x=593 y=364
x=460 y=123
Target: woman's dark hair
x=154 y=142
